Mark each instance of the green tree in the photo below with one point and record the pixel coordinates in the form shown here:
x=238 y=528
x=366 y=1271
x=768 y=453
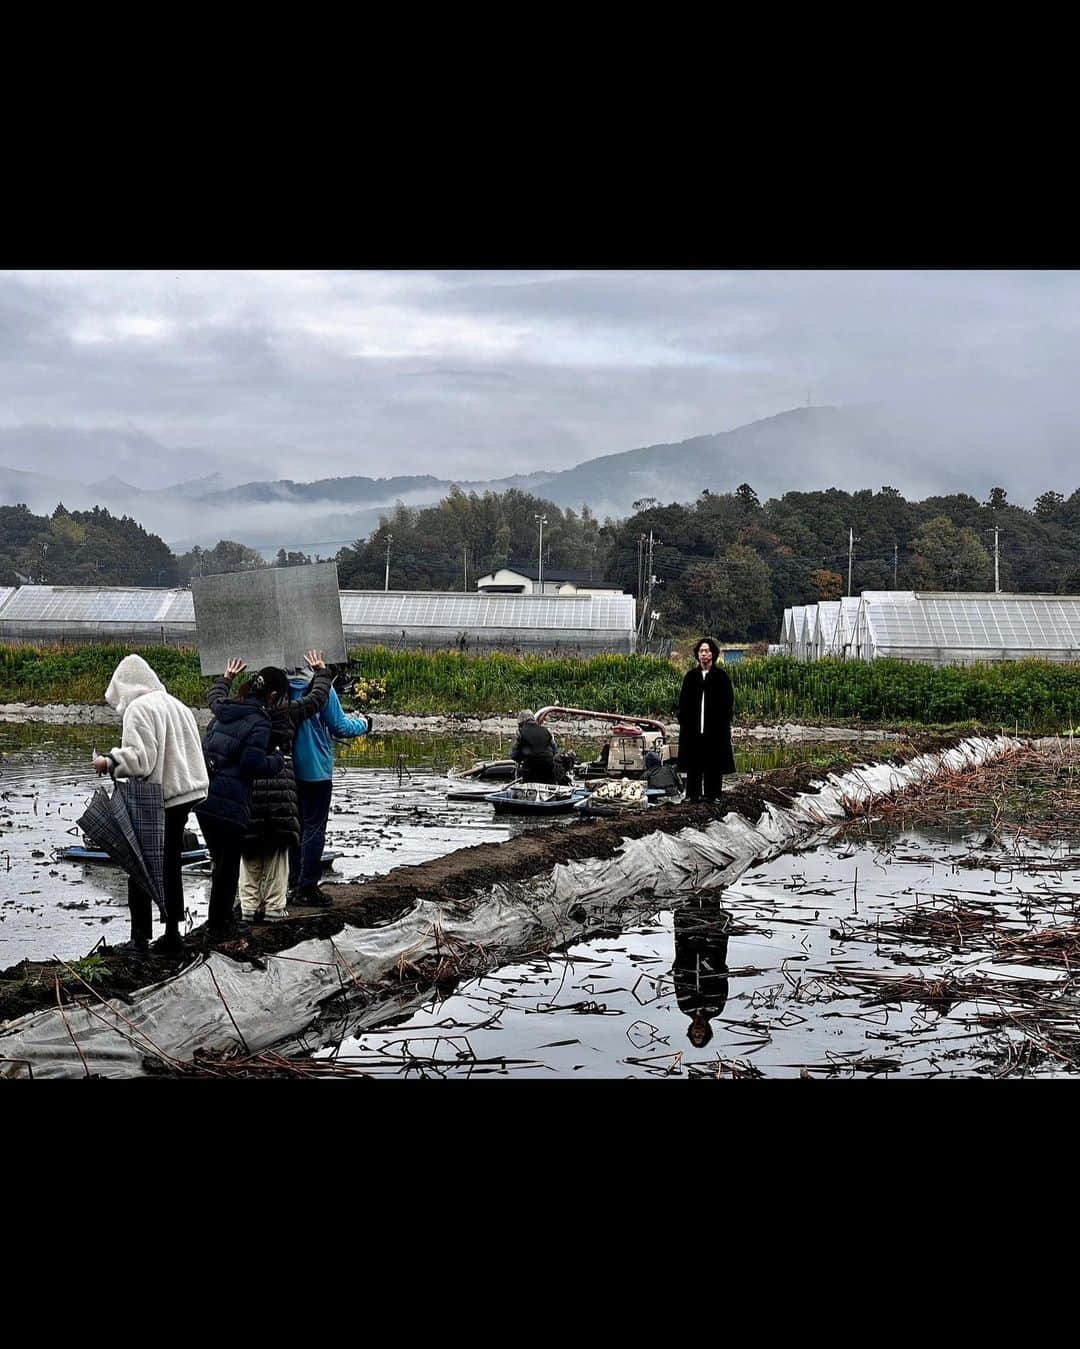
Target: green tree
x=948 y=558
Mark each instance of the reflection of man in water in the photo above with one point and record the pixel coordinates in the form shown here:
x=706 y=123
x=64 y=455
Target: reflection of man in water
x=700 y=970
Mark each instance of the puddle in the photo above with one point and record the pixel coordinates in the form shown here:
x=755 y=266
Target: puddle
x=896 y=953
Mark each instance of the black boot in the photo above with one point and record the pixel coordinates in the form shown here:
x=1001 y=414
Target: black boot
x=313 y=897
x=171 y=944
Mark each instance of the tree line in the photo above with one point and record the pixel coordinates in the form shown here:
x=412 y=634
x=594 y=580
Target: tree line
x=729 y=564
x=725 y=563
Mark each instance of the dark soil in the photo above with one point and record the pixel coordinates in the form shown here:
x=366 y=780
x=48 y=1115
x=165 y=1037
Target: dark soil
x=32 y=985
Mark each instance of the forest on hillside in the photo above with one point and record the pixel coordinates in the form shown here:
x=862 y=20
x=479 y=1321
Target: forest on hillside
x=725 y=563
x=729 y=564
x=81 y=548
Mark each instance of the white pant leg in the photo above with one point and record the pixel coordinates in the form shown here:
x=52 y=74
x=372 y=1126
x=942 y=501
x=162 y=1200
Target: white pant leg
x=251 y=876
x=275 y=882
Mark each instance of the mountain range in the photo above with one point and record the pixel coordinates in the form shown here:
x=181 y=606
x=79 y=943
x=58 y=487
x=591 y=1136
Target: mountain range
x=802 y=449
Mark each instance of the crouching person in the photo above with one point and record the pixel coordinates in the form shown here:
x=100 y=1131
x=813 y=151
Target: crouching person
x=275 y=814
x=160 y=743
x=313 y=760
x=235 y=748
x=534 y=750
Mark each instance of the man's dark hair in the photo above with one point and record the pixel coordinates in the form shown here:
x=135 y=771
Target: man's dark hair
x=710 y=642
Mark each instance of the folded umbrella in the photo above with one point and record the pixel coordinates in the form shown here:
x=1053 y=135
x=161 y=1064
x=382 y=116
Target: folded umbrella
x=130 y=826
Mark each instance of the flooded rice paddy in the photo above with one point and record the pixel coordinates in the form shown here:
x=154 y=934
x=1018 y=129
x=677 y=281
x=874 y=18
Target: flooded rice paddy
x=389 y=809
x=880 y=955
x=896 y=949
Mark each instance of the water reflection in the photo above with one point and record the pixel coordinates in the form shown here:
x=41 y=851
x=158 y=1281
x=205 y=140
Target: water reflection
x=700 y=972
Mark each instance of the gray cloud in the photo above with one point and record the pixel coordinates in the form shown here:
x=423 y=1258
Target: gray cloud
x=482 y=375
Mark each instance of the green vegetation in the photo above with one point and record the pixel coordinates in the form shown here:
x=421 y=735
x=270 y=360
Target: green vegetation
x=81 y=548
x=91 y=968
x=81 y=674
x=1030 y=696
x=1036 y=696
x=474 y=685
x=432 y=544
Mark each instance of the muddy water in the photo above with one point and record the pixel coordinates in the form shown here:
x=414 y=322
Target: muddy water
x=784 y=996
x=389 y=808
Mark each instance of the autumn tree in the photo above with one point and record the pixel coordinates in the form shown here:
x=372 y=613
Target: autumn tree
x=828 y=585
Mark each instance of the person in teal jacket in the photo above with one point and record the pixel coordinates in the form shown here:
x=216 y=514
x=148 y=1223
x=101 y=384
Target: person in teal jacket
x=313 y=764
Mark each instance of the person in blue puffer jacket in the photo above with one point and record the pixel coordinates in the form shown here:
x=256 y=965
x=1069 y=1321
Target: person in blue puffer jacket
x=313 y=764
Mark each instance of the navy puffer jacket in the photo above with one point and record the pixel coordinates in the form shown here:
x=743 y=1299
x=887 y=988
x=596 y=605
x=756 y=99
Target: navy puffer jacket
x=235 y=751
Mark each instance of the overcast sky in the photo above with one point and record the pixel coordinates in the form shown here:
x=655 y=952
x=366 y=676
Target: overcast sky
x=483 y=374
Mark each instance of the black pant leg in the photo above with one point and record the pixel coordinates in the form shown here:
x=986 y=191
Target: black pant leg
x=225 y=843
x=176 y=818
x=714 y=784
x=316 y=812
x=140 y=903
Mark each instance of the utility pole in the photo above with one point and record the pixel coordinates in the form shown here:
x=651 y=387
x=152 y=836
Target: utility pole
x=652 y=578
x=640 y=573
x=389 y=541
x=997 y=572
x=850 y=556
x=465 y=551
x=650 y=581
x=894 y=562
x=543 y=521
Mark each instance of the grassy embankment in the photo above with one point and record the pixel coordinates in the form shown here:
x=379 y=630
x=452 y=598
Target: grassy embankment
x=1028 y=696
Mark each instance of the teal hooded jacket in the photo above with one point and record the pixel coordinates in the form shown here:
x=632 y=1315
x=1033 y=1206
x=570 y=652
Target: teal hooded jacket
x=313 y=749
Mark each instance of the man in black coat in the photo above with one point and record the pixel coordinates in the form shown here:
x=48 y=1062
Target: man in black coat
x=706 y=703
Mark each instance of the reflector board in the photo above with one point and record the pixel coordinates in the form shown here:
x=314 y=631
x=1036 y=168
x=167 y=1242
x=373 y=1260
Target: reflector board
x=269 y=616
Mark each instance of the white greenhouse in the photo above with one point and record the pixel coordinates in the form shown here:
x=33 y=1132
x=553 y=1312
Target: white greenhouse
x=935 y=627
x=828 y=615
x=589 y=624
x=960 y=628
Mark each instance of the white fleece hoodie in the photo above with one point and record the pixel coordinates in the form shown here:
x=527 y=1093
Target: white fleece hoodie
x=161 y=740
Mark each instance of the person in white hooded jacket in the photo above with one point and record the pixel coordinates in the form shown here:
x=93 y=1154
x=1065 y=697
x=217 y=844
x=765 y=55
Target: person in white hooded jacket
x=160 y=743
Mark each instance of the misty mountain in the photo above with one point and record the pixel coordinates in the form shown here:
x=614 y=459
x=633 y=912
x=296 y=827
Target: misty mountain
x=793 y=450
x=797 y=450
x=916 y=451
x=130 y=456
x=358 y=488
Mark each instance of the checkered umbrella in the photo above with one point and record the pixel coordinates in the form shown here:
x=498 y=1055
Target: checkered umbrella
x=129 y=825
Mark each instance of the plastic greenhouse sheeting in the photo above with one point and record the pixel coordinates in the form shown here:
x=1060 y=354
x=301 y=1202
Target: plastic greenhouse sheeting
x=119 y=604
x=218 y=1003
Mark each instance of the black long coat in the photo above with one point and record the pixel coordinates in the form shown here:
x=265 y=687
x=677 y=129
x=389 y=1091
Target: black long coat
x=700 y=972
x=713 y=749
x=275 y=812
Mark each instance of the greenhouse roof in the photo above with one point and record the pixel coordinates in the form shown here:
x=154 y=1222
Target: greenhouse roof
x=359 y=608
x=97 y=604
x=971 y=621
x=467 y=610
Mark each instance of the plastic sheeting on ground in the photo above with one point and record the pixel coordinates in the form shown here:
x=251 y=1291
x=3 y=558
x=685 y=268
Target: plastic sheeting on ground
x=218 y=1004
